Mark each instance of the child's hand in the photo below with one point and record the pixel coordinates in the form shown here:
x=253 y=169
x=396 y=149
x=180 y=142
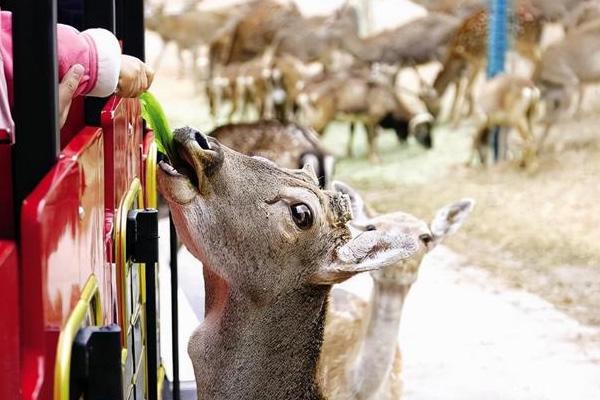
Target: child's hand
x=135 y=77
x=66 y=91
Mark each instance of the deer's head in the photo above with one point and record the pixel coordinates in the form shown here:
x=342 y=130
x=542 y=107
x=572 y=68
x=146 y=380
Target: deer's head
x=264 y=229
x=446 y=221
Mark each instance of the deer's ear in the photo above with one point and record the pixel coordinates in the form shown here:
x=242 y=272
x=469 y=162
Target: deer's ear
x=371 y=250
x=450 y=218
x=359 y=210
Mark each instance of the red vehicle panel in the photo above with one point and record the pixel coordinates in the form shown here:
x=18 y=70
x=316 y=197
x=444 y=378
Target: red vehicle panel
x=61 y=245
x=9 y=321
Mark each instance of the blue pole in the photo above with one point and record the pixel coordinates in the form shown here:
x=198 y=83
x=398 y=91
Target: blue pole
x=497 y=47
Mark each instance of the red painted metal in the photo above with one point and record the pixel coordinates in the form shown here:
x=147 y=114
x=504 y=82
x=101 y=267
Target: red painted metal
x=7 y=217
x=122 y=127
x=66 y=234
x=9 y=322
x=61 y=245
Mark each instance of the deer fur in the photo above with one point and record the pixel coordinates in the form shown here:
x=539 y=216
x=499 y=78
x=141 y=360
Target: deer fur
x=509 y=101
x=272 y=244
x=417 y=42
x=468 y=50
x=361 y=357
x=189 y=30
x=567 y=66
x=354 y=97
x=288 y=145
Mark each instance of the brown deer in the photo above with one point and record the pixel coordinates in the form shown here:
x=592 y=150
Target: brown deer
x=361 y=358
x=254 y=32
x=272 y=244
x=567 y=66
x=467 y=53
x=242 y=84
x=354 y=98
x=417 y=42
x=288 y=145
x=508 y=101
x=189 y=30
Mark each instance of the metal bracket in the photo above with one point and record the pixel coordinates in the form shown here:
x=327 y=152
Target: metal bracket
x=96 y=364
x=142 y=236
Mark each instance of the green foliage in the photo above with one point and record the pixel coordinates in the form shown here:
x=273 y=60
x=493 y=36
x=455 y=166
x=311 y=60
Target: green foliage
x=154 y=115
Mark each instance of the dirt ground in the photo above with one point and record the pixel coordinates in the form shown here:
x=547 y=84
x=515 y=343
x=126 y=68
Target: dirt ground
x=538 y=231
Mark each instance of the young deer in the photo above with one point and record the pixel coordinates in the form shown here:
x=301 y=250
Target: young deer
x=507 y=101
x=360 y=357
x=288 y=145
x=272 y=244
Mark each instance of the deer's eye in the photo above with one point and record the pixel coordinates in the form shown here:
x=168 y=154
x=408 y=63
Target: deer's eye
x=302 y=215
x=426 y=238
x=370 y=227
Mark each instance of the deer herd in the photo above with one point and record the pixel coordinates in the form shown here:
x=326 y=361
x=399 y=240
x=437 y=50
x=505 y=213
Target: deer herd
x=256 y=203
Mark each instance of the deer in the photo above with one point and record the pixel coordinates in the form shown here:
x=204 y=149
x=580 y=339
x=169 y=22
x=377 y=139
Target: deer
x=507 y=100
x=189 y=30
x=361 y=357
x=467 y=53
x=289 y=145
x=243 y=84
x=354 y=98
x=417 y=42
x=272 y=244
x=567 y=66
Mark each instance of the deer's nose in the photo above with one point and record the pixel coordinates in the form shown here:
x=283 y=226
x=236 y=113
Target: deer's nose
x=201 y=140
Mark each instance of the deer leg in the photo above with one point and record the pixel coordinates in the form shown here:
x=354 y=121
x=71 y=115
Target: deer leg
x=372 y=142
x=181 y=73
x=472 y=78
x=349 y=151
x=159 y=58
x=457 y=101
x=528 y=159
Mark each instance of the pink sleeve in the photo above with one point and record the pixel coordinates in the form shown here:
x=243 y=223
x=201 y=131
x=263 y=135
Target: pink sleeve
x=99 y=53
x=97 y=50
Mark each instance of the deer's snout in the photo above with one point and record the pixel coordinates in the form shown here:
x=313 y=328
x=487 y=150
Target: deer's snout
x=200 y=152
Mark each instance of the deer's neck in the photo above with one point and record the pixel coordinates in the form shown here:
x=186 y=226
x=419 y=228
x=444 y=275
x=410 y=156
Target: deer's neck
x=248 y=350
x=375 y=354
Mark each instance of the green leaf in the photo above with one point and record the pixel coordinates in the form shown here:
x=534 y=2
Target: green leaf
x=154 y=115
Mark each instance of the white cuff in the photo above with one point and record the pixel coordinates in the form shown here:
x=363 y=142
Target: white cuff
x=109 y=62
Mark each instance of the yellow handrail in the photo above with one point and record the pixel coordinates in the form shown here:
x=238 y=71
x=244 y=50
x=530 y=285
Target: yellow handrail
x=62 y=368
x=127 y=203
x=150 y=189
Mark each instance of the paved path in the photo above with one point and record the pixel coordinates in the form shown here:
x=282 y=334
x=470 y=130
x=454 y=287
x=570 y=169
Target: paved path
x=464 y=336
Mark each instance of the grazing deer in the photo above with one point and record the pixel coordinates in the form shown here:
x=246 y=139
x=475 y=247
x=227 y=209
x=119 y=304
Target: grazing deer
x=288 y=145
x=358 y=100
x=272 y=244
x=507 y=101
x=361 y=358
x=467 y=53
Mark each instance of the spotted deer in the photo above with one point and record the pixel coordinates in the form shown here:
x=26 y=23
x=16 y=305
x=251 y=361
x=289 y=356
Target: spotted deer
x=361 y=357
x=467 y=52
x=272 y=244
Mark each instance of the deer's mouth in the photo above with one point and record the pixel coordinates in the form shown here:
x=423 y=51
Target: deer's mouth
x=181 y=175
